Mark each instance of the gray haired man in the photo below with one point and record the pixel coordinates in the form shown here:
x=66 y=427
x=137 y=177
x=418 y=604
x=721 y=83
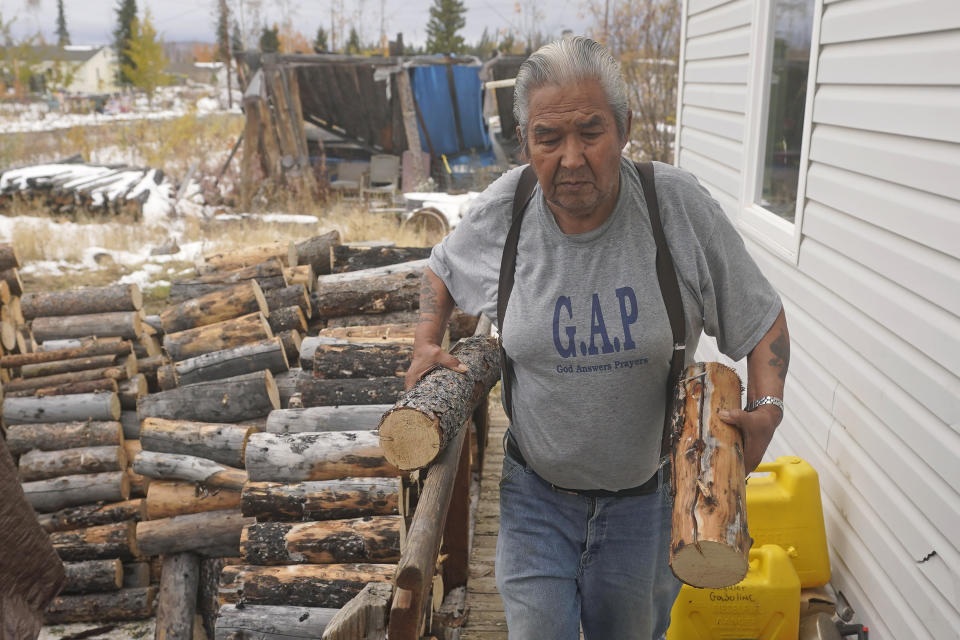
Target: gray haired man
x=585 y=501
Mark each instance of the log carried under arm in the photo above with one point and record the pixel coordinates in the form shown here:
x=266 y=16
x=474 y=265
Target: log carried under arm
x=429 y=415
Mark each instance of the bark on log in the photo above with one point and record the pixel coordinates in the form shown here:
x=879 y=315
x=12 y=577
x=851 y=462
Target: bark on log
x=362 y=320
x=337 y=295
x=84 y=301
x=177 y=600
x=172 y=466
x=12 y=278
x=114 y=606
x=284 y=251
x=131 y=390
x=291 y=345
x=710 y=543
x=224 y=443
x=287 y=319
x=99 y=346
x=149 y=366
x=167 y=377
x=365 y=616
x=345 y=418
x=117 y=540
x=393 y=333
x=41 y=465
x=335 y=358
x=315 y=251
x=65 y=366
x=287 y=383
x=345 y=258
x=262 y=622
x=92 y=515
x=123 y=324
x=104 y=385
x=246 y=358
x=271 y=268
x=368 y=539
x=93 y=576
x=168 y=499
x=304 y=585
x=229 y=400
x=136 y=575
x=302 y=274
x=184 y=290
x=130 y=422
x=10 y=259
x=318 y=392
x=62 y=435
x=192 y=532
x=217 y=306
x=208 y=602
x=296 y=457
x=81 y=406
x=218 y=336
x=295 y=295
x=115 y=372
x=321 y=500
x=70 y=491
x=428 y=416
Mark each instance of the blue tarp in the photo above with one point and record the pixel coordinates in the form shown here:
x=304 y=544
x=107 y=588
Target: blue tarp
x=432 y=91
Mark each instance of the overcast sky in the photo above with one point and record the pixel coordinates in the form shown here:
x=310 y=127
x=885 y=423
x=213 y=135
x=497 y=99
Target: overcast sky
x=92 y=21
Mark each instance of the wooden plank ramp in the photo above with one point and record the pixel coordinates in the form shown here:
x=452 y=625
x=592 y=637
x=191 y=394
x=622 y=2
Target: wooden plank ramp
x=485 y=618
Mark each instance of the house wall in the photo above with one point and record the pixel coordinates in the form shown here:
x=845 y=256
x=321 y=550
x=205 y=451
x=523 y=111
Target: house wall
x=871 y=287
x=96 y=75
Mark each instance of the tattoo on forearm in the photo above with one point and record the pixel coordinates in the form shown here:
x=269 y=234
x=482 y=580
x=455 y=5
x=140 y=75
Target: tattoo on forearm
x=780 y=348
x=429 y=299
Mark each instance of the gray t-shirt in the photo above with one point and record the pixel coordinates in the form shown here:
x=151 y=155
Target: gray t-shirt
x=586 y=326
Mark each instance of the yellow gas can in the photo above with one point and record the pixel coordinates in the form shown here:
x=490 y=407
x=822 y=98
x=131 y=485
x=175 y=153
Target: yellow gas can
x=764 y=606
x=784 y=508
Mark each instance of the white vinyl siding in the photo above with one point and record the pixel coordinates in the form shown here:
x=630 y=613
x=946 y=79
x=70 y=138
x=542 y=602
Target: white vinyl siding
x=873 y=297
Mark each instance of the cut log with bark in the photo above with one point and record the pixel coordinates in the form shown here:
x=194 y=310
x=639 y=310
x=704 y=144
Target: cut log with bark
x=12 y=278
x=365 y=616
x=177 y=600
x=136 y=575
x=363 y=320
x=115 y=372
x=168 y=499
x=318 y=392
x=114 y=606
x=287 y=383
x=65 y=366
x=428 y=416
x=334 y=358
x=217 y=306
x=167 y=377
x=369 y=539
x=710 y=544
x=284 y=251
x=345 y=258
x=130 y=422
x=196 y=532
x=315 y=251
x=208 y=589
x=247 y=358
x=287 y=319
x=116 y=540
x=398 y=333
x=62 y=435
x=103 y=385
x=123 y=324
x=263 y=622
x=10 y=259
x=131 y=390
x=93 y=576
x=344 y=418
x=84 y=301
x=321 y=499
x=296 y=457
x=92 y=515
x=227 y=334
x=174 y=466
x=295 y=295
x=301 y=585
x=70 y=491
x=41 y=465
x=76 y=345
x=229 y=400
x=302 y=274
x=81 y=406
x=224 y=443
x=394 y=288
x=291 y=341
x=270 y=268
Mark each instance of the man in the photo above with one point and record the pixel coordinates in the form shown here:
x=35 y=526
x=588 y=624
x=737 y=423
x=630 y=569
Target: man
x=585 y=500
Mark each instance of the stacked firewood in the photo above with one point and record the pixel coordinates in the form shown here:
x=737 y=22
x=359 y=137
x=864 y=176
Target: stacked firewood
x=14 y=334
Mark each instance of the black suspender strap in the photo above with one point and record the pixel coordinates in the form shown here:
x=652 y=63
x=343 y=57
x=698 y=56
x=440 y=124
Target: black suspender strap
x=508 y=267
x=666 y=277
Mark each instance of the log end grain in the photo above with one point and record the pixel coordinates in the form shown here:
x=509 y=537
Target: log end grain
x=410 y=439
x=714 y=565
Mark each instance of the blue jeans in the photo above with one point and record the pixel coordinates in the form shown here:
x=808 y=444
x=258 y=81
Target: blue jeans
x=564 y=560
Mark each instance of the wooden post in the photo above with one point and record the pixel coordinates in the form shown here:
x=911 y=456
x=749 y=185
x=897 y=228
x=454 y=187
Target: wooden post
x=409 y=112
x=456 y=531
x=365 y=616
x=177 y=602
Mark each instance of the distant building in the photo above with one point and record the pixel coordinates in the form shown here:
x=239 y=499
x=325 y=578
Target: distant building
x=77 y=69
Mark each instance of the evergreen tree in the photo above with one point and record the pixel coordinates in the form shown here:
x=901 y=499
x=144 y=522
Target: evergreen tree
x=126 y=14
x=223 y=32
x=236 y=40
x=485 y=47
x=353 y=42
x=147 y=60
x=446 y=18
x=320 y=42
x=63 y=36
x=270 y=39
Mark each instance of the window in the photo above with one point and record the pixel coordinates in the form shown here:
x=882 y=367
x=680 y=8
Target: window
x=791 y=25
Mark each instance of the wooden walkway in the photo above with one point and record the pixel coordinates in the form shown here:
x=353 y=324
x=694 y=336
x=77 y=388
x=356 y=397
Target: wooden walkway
x=485 y=620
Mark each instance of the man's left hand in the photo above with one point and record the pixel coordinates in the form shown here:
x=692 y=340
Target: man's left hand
x=757 y=427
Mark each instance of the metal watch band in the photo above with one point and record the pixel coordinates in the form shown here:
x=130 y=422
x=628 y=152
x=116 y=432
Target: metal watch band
x=759 y=402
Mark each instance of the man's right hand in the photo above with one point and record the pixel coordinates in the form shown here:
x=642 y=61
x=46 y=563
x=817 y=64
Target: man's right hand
x=426 y=358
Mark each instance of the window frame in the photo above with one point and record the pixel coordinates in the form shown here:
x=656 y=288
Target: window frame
x=762 y=225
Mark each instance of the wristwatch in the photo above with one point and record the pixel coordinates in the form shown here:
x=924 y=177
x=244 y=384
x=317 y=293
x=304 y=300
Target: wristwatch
x=759 y=402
